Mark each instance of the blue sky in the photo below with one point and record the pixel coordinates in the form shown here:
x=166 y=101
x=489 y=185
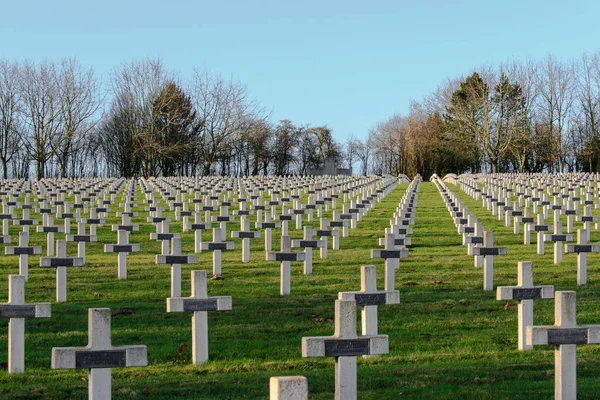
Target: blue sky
x=346 y=64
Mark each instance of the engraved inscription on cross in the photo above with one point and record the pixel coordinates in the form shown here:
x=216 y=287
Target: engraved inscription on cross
x=199 y=303
x=565 y=334
x=17 y=310
x=99 y=356
x=345 y=345
x=525 y=292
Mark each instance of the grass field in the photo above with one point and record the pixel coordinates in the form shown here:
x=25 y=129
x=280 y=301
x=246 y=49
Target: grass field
x=448 y=339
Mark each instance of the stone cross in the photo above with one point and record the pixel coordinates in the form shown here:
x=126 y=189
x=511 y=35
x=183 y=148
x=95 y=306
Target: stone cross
x=288 y=388
x=198 y=226
x=49 y=229
x=99 y=356
x=565 y=335
x=525 y=292
x=176 y=259
x=540 y=228
x=217 y=246
x=224 y=218
x=123 y=247
x=164 y=235
x=199 y=303
x=268 y=226
x=582 y=248
x=558 y=237
x=308 y=244
x=528 y=221
x=81 y=239
x=400 y=241
x=17 y=310
x=245 y=234
x=286 y=255
x=369 y=298
x=61 y=262
x=324 y=233
x=392 y=260
x=345 y=345
x=23 y=250
x=488 y=251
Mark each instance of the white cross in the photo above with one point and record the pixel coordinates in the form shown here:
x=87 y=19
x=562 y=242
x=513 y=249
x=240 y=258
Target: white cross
x=60 y=262
x=99 y=356
x=199 y=303
x=217 y=245
x=176 y=259
x=392 y=260
x=582 y=248
x=285 y=256
x=122 y=248
x=17 y=310
x=345 y=345
x=488 y=251
x=525 y=292
x=23 y=250
x=565 y=335
x=308 y=243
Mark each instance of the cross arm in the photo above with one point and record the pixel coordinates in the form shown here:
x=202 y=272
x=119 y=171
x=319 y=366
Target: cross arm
x=520 y=293
x=331 y=346
x=85 y=357
x=213 y=303
x=372 y=298
x=554 y=335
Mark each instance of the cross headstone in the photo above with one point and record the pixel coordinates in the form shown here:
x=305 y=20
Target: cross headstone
x=199 y=303
x=176 y=259
x=286 y=255
x=565 y=335
x=369 y=298
x=582 y=248
x=245 y=234
x=525 y=292
x=216 y=246
x=345 y=345
x=81 y=239
x=23 y=250
x=268 y=226
x=17 y=310
x=61 y=262
x=123 y=247
x=558 y=238
x=488 y=251
x=99 y=356
x=308 y=244
x=392 y=260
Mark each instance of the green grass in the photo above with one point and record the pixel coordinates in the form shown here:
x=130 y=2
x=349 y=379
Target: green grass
x=448 y=340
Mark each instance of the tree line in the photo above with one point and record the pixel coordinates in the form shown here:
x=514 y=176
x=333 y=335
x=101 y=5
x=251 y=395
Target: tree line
x=525 y=116
x=58 y=119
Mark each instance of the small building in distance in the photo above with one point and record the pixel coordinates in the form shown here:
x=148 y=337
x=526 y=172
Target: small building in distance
x=329 y=169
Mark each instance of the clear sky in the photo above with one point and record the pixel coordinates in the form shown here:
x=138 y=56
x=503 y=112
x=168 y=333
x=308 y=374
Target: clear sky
x=344 y=63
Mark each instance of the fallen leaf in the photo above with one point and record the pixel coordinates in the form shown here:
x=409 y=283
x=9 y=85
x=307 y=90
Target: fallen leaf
x=437 y=282
x=96 y=294
x=216 y=278
x=506 y=306
x=410 y=283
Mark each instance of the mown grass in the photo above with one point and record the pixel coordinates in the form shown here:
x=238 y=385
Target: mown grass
x=448 y=338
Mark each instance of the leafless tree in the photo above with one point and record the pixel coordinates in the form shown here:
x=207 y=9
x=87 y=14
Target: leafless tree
x=42 y=112
x=11 y=127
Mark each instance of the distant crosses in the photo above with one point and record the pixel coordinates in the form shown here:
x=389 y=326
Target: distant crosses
x=60 y=262
x=199 y=303
x=17 y=310
x=99 y=356
x=488 y=251
x=565 y=335
x=245 y=234
x=285 y=256
x=582 y=248
x=558 y=237
x=176 y=259
x=392 y=260
x=216 y=246
x=345 y=345
x=308 y=244
x=525 y=292
x=23 y=250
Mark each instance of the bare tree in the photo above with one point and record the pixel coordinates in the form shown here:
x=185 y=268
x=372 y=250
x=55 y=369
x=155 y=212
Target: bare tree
x=42 y=113
x=11 y=127
x=79 y=101
x=222 y=108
